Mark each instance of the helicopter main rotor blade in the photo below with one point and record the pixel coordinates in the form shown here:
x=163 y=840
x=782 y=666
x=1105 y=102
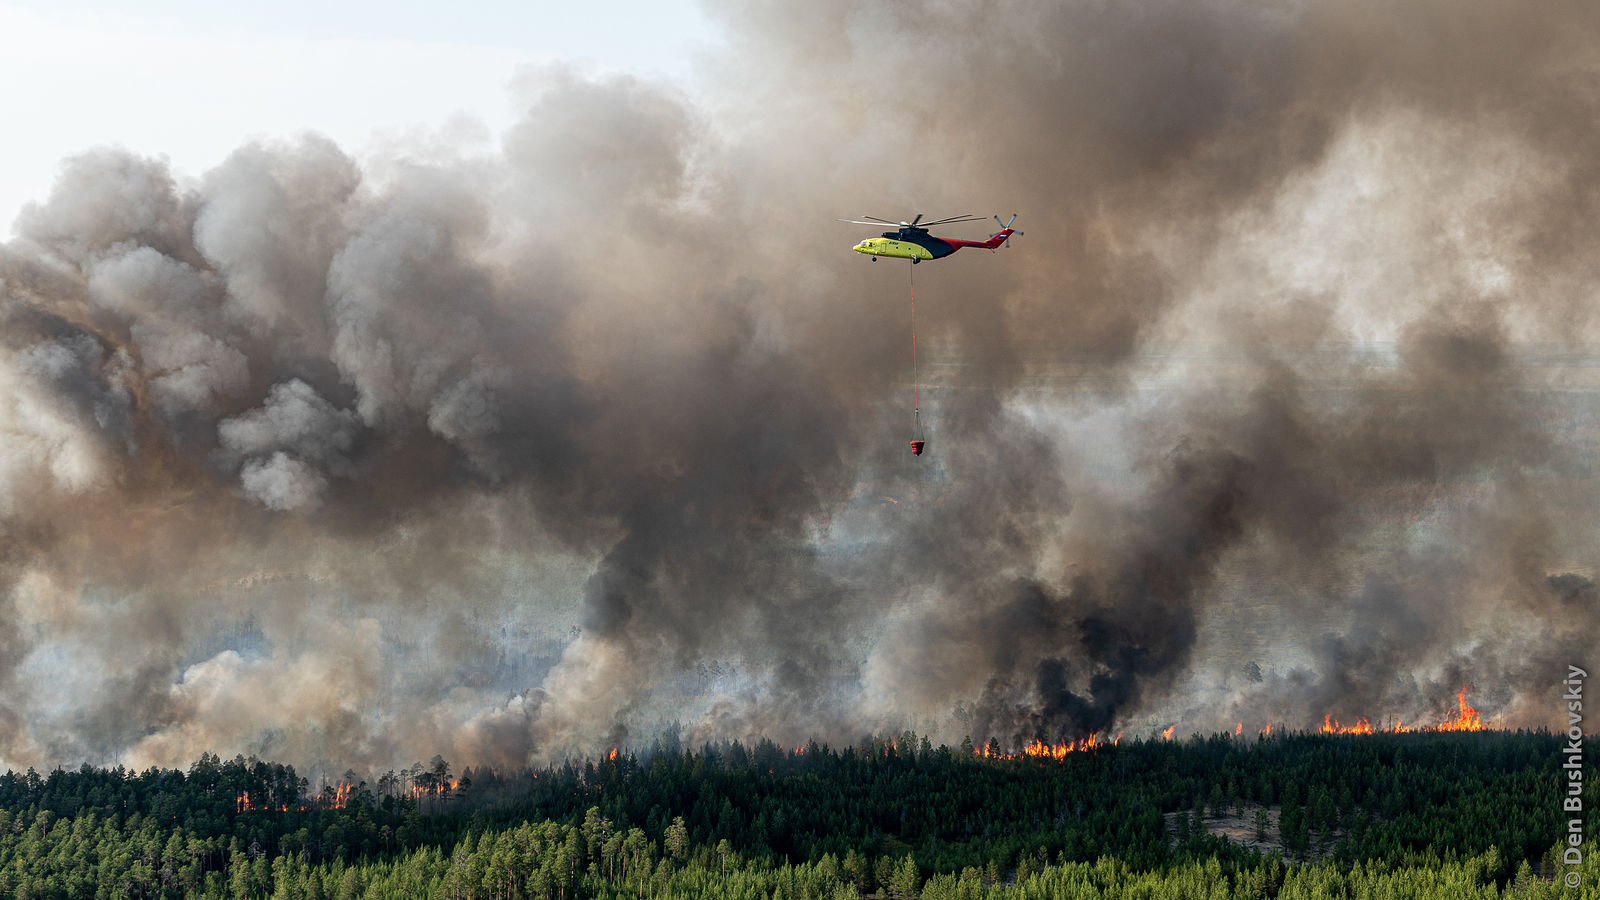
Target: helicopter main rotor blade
x=952 y=220
x=916 y=223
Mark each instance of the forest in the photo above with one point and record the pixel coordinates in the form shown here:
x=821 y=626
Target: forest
x=1291 y=815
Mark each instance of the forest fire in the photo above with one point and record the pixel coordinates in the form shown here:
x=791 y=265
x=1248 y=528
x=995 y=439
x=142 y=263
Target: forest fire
x=335 y=796
x=1463 y=718
x=243 y=803
x=1332 y=726
x=433 y=788
x=1060 y=750
x=1038 y=749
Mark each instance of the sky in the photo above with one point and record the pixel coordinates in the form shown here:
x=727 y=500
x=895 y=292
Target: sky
x=192 y=81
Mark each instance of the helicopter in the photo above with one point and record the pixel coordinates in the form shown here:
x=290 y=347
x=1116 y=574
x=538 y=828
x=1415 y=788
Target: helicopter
x=912 y=240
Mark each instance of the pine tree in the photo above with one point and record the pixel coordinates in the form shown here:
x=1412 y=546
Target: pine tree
x=903 y=883
x=677 y=838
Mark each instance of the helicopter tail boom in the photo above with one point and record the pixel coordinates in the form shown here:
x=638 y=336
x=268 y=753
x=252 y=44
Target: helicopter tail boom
x=995 y=240
x=1003 y=236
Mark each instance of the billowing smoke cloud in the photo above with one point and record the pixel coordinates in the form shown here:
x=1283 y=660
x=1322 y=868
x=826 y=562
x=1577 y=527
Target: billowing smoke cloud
x=1281 y=407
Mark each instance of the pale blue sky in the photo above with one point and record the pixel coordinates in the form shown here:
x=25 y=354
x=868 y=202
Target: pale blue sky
x=191 y=80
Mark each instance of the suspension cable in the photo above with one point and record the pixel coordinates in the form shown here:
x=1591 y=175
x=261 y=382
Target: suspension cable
x=916 y=389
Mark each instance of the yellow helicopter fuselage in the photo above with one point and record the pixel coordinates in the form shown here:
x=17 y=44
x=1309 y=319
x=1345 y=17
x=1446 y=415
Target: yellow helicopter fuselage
x=898 y=249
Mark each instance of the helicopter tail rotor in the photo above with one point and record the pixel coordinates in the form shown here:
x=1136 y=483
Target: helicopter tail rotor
x=1006 y=224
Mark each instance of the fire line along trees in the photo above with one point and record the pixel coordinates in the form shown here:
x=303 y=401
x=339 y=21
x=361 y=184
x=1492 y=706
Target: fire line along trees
x=1438 y=814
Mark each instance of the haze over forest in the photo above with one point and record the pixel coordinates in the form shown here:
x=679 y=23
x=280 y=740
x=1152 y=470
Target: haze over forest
x=1284 y=406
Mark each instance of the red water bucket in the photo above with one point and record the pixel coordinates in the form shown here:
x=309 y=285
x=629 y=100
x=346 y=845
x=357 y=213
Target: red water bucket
x=916 y=447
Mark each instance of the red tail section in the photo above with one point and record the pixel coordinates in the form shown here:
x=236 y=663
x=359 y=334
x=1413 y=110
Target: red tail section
x=998 y=238
x=995 y=240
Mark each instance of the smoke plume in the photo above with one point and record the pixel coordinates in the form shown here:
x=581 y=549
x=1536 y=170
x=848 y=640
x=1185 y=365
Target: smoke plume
x=1283 y=406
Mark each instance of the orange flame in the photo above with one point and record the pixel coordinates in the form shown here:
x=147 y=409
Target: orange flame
x=612 y=755
x=1061 y=749
x=1463 y=718
x=341 y=796
x=1332 y=726
x=1268 y=729
x=435 y=789
x=1238 y=729
x=1166 y=733
x=1040 y=750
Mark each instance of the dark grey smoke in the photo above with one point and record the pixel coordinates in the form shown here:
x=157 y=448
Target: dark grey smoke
x=354 y=462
